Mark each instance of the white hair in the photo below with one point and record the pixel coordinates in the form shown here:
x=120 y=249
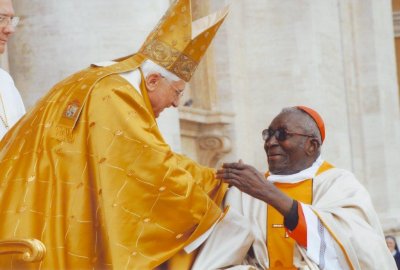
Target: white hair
x=309 y=125
x=148 y=67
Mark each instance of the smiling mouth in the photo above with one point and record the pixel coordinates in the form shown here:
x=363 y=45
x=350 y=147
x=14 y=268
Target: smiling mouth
x=273 y=156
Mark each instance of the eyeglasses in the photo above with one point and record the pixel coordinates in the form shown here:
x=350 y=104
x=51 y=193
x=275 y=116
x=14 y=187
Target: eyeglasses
x=7 y=20
x=280 y=134
x=178 y=92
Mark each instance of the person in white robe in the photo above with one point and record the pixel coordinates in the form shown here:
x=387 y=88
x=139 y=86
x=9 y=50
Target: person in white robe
x=304 y=213
x=11 y=105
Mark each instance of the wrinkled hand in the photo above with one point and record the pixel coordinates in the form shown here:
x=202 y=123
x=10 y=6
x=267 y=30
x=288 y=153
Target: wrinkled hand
x=250 y=181
x=245 y=177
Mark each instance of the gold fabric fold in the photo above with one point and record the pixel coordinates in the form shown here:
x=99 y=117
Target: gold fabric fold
x=101 y=189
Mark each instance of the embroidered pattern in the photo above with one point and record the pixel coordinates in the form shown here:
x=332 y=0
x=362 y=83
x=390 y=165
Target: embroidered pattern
x=184 y=67
x=171 y=59
x=321 y=233
x=72 y=109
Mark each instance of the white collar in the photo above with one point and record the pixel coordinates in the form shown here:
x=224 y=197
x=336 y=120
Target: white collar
x=297 y=177
x=133 y=77
x=104 y=63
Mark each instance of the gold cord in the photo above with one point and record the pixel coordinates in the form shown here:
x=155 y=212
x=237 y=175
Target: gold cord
x=4 y=119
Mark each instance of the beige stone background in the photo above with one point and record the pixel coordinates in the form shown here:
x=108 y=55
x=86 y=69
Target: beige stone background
x=337 y=56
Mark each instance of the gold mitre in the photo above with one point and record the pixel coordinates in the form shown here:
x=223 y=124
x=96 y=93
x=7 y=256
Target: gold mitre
x=177 y=43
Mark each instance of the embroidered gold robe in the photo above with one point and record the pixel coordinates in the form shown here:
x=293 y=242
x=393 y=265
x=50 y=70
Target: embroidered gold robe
x=88 y=173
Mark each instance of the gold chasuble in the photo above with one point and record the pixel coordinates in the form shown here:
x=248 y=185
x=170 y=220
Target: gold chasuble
x=88 y=173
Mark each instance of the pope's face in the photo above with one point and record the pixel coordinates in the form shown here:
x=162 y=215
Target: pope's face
x=6 y=10
x=163 y=93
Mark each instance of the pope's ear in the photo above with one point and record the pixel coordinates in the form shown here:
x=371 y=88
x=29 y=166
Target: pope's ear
x=152 y=81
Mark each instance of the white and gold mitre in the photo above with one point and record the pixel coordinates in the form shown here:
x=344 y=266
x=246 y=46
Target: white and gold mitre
x=177 y=43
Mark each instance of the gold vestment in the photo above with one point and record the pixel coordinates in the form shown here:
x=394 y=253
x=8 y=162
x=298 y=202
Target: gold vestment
x=88 y=173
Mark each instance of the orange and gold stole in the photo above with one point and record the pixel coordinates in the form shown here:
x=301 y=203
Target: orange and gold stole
x=279 y=245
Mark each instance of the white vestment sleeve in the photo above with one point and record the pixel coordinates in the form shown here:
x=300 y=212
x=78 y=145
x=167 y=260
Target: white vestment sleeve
x=320 y=248
x=227 y=245
x=200 y=240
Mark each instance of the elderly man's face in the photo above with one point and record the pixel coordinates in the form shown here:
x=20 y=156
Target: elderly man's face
x=163 y=93
x=6 y=10
x=288 y=156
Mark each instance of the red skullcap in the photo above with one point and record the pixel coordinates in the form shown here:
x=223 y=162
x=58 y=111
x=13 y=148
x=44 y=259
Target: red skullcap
x=317 y=119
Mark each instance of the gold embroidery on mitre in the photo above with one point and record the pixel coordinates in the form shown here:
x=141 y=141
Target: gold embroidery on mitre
x=185 y=67
x=171 y=59
x=161 y=53
x=177 y=43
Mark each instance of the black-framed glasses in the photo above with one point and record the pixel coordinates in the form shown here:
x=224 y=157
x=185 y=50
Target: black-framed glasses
x=281 y=134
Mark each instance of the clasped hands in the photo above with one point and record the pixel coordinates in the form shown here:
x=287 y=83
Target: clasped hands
x=249 y=180
x=245 y=177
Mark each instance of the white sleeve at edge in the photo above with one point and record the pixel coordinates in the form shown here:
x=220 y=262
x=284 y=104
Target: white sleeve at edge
x=320 y=248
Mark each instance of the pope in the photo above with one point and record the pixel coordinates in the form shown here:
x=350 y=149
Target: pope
x=87 y=171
